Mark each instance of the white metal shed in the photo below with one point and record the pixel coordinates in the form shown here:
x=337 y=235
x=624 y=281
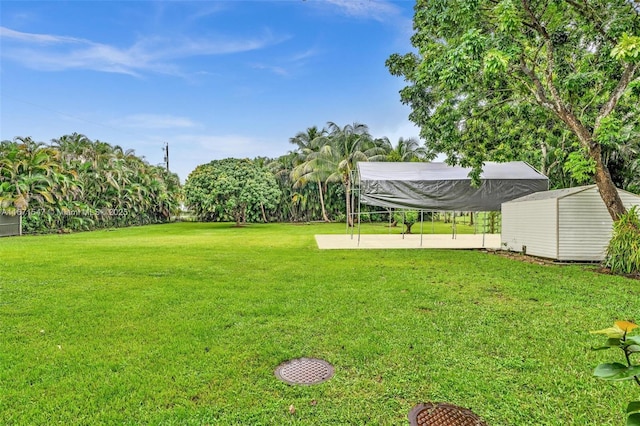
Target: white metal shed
x=569 y=224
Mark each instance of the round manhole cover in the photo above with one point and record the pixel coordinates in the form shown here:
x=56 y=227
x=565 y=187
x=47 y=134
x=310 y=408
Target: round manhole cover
x=443 y=414
x=304 y=371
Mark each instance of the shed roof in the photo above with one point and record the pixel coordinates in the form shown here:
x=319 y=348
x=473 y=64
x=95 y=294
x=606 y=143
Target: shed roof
x=553 y=194
x=562 y=193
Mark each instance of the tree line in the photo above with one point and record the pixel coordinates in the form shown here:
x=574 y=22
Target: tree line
x=76 y=184
x=314 y=180
x=555 y=84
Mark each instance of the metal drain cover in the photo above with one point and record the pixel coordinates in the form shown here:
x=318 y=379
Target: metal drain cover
x=304 y=371
x=443 y=414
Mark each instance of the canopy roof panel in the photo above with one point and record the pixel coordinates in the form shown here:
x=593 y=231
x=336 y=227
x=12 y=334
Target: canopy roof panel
x=440 y=187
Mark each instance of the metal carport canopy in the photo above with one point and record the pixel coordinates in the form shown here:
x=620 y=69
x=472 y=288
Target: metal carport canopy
x=440 y=187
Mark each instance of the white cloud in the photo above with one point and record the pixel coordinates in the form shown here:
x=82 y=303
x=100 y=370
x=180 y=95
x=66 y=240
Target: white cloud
x=273 y=68
x=207 y=9
x=382 y=11
x=377 y=10
x=210 y=147
x=8 y=33
x=151 y=54
x=289 y=65
x=404 y=129
x=303 y=56
x=154 y=121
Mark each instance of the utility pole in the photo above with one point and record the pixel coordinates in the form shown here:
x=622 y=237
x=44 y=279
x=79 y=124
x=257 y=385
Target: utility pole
x=166 y=154
x=166 y=162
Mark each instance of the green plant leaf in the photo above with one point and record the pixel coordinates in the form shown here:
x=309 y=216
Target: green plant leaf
x=611 y=343
x=628 y=48
x=601 y=348
x=634 y=340
x=616 y=371
x=633 y=407
x=633 y=420
x=609 y=370
x=614 y=343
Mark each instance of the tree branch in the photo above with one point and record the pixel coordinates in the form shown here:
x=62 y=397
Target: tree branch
x=559 y=106
x=489 y=108
x=538 y=91
x=552 y=88
x=593 y=99
x=627 y=76
x=590 y=16
x=535 y=22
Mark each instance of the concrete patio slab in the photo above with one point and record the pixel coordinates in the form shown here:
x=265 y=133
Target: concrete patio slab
x=408 y=241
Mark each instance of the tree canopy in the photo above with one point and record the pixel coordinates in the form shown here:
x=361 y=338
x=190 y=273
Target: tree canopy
x=79 y=184
x=341 y=150
x=237 y=189
x=549 y=81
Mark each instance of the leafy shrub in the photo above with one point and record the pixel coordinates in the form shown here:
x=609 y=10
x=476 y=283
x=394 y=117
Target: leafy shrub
x=623 y=251
x=231 y=189
x=408 y=218
x=618 y=337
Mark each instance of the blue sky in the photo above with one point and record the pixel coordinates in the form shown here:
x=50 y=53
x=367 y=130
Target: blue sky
x=214 y=79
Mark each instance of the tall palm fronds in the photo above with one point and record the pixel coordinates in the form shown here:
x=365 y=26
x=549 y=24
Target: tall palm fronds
x=309 y=144
x=407 y=150
x=342 y=149
x=76 y=183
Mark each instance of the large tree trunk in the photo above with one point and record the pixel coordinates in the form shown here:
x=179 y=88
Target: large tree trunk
x=264 y=215
x=548 y=96
x=608 y=190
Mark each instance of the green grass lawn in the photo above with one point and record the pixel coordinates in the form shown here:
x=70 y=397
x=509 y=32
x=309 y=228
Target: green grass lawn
x=462 y=226
x=184 y=324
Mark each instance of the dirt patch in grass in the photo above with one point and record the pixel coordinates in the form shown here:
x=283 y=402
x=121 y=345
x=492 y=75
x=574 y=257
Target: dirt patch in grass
x=541 y=261
x=523 y=257
x=607 y=271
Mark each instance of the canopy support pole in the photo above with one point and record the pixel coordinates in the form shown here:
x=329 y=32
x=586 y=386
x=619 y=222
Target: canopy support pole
x=351 y=196
x=453 y=226
x=421 y=220
x=484 y=228
x=475 y=224
x=433 y=224
x=358 y=219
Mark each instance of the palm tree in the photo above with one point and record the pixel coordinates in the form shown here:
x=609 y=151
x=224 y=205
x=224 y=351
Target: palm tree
x=77 y=174
x=408 y=150
x=344 y=147
x=281 y=168
x=116 y=181
x=309 y=144
x=73 y=148
x=32 y=171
